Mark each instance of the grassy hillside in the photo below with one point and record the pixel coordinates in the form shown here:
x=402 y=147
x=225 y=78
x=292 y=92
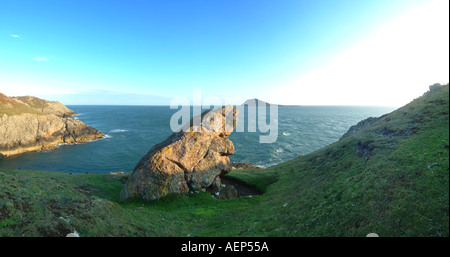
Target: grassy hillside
x=17 y=105
x=13 y=106
x=391 y=178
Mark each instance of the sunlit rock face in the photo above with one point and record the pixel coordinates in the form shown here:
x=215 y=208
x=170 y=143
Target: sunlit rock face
x=191 y=159
x=31 y=124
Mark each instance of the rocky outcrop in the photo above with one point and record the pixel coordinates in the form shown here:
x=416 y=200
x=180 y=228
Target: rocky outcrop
x=243 y=166
x=31 y=124
x=395 y=132
x=362 y=124
x=193 y=158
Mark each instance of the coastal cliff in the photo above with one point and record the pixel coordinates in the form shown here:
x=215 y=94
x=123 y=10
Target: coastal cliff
x=29 y=123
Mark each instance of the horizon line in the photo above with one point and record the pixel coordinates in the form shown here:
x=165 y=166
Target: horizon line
x=280 y=105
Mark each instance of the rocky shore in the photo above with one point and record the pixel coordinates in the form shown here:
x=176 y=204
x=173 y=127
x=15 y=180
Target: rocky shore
x=31 y=124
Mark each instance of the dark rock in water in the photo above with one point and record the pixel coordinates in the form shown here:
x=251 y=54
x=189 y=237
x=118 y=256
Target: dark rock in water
x=191 y=159
x=243 y=166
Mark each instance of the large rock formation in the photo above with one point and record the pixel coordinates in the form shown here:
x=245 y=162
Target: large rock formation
x=31 y=124
x=190 y=159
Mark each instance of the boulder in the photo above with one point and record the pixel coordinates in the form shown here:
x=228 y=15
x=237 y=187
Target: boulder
x=189 y=160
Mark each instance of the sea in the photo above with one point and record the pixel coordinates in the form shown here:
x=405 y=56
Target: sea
x=131 y=131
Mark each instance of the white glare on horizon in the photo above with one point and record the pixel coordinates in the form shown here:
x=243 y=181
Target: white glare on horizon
x=391 y=67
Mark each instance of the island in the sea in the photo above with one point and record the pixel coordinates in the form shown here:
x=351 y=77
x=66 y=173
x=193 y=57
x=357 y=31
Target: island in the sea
x=256 y=102
x=29 y=123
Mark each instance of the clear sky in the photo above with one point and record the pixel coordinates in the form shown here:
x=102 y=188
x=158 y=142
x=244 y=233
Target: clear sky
x=337 y=52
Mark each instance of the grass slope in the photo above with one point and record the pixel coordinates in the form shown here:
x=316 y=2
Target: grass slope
x=390 y=178
x=12 y=106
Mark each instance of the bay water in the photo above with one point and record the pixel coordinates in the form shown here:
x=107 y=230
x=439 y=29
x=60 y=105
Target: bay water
x=131 y=131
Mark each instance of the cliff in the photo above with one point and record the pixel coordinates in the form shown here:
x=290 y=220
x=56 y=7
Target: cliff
x=29 y=123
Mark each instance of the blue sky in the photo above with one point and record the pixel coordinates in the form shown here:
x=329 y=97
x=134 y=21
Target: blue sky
x=320 y=52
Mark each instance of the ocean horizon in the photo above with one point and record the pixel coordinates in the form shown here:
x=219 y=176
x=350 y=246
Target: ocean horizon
x=132 y=130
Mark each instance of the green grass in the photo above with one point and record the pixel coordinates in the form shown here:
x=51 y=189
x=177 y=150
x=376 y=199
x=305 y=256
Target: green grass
x=397 y=186
x=10 y=106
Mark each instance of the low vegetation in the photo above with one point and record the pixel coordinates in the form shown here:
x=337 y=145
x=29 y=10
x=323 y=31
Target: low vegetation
x=12 y=106
x=389 y=178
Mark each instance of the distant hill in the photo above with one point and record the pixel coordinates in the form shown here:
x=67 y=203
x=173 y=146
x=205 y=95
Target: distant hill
x=255 y=102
